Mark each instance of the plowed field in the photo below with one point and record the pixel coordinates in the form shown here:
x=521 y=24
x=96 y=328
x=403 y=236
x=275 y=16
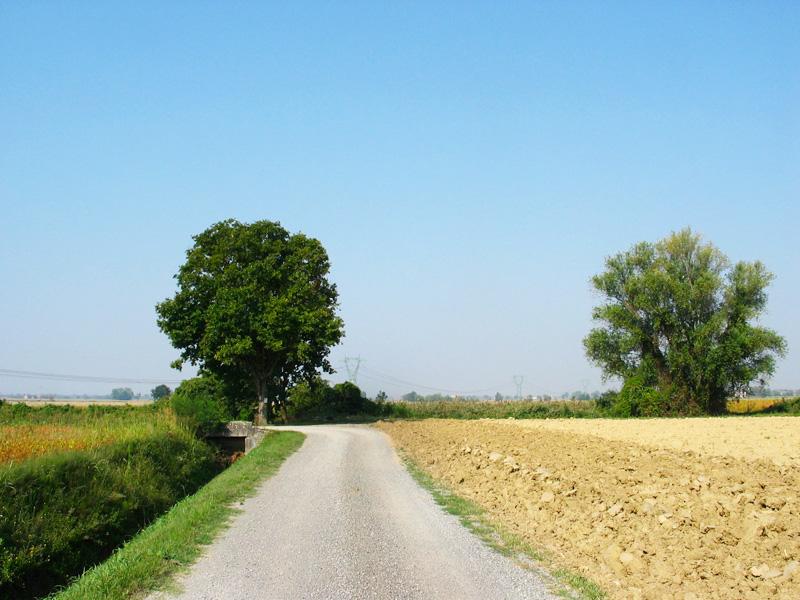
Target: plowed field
x=669 y=508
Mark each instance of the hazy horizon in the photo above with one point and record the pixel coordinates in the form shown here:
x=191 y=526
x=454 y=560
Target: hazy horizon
x=468 y=168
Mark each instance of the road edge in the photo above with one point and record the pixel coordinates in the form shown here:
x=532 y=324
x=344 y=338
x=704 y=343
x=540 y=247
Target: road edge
x=563 y=582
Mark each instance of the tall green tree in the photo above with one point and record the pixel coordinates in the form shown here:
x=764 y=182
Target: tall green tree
x=254 y=303
x=679 y=318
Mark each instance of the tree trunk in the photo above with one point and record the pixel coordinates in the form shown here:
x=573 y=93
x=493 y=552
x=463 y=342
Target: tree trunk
x=282 y=395
x=284 y=414
x=262 y=416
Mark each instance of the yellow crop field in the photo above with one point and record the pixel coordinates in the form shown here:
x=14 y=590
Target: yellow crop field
x=752 y=405
x=18 y=442
x=33 y=432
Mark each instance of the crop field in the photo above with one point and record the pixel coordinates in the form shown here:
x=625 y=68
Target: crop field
x=77 y=482
x=28 y=433
x=659 y=508
x=753 y=405
x=79 y=402
x=25 y=441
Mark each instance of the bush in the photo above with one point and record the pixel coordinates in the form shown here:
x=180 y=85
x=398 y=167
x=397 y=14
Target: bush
x=606 y=400
x=636 y=399
x=62 y=513
x=317 y=400
x=199 y=403
x=347 y=398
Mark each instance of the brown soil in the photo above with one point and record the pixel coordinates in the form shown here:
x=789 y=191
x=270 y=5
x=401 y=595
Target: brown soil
x=772 y=438
x=642 y=520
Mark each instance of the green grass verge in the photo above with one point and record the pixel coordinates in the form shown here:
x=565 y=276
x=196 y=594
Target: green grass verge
x=568 y=584
x=176 y=539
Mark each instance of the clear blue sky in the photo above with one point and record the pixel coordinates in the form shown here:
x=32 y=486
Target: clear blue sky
x=467 y=165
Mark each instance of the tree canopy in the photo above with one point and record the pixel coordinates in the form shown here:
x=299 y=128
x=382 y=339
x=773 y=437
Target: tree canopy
x=122 y=394
x=160 y=391
x=679 y=319
x=254 y=303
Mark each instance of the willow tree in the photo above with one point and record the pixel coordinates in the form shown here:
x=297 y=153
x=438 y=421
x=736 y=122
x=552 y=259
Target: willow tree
x=254 y=302
x=679 y=319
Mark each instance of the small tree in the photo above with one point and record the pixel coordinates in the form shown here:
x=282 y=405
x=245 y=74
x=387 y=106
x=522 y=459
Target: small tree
x=122 y=394
x=200 y=404
x=678 y=318
x=160 y=391
x=348 y=398
x=254 y=303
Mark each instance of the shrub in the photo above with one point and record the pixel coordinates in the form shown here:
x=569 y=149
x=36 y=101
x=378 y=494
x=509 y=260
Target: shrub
x=317 y=400
x=606 y=400
x=636 y=399
x=347 y=398
x=199 y=403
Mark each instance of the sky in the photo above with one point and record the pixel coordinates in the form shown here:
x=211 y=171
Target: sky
x=467 y=165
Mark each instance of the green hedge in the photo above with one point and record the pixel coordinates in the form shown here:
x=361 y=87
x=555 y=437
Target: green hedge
x=62 y=513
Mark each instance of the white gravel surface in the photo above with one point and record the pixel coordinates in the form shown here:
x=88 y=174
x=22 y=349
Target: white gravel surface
x=344 y=519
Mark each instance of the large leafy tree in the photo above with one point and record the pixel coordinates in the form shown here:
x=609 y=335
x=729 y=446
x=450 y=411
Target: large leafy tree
x=678 y=318
x=254 y=303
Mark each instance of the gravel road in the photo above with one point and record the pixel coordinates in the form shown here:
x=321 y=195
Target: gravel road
x=344 y=519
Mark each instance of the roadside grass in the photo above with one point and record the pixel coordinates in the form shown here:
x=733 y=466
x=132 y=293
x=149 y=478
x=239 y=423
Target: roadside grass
x=567 y=584
x=175 y=540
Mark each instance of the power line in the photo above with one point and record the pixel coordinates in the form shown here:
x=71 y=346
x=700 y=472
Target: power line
x=386 y=378
x=81 y=378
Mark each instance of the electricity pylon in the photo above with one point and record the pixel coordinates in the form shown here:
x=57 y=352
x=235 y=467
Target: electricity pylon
x=352 y=365
x=518 y=379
